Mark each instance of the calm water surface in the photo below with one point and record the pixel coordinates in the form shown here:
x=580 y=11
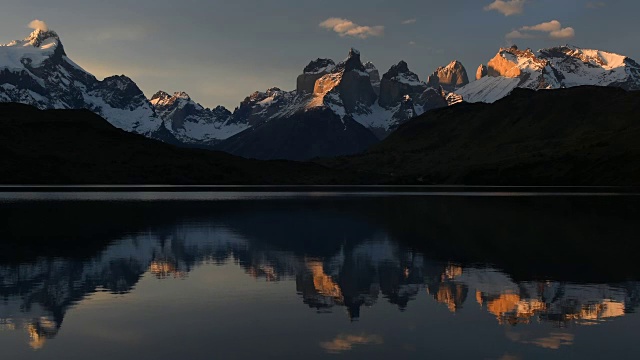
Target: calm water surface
x=318 y=275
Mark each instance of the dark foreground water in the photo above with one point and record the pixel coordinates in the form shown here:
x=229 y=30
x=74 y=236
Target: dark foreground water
x=318 y=275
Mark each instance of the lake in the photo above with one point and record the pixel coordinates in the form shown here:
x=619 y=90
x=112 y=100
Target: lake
x=319 y=274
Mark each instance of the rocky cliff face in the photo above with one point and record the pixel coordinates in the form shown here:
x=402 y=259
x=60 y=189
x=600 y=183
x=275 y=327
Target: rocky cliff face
x=397 y=83
x=350 y=82
x=450 y=77
x=315 y=70
x=533 y=72
x=374 y=76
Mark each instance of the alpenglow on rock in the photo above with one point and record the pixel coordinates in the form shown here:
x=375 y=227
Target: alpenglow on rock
x=312 y=72
x=554 y=68
x=36 y=71
x=450 y=77
x=350 y=82
x=482 y=72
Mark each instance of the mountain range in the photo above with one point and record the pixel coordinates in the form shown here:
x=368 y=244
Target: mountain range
x=336 y=109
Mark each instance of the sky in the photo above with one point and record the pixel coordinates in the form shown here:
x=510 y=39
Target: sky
x=220 y=51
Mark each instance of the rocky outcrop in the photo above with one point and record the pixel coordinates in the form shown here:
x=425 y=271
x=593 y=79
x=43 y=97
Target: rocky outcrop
x=482 y=72
x=398 y=82
x=450 y=77
x=312 y=72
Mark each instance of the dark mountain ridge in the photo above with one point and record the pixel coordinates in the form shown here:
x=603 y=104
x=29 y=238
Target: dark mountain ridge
x=578 y=136
x=79 y=147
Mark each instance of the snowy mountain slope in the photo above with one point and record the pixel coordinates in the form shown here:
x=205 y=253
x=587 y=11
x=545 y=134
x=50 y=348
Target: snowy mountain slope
x=37 y=71
x=488 y=89
x=191 y=123
x=554 y=68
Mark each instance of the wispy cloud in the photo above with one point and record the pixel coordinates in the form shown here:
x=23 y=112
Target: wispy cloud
x=38 y=25
x=409 y=21
x=596 y=4
x=507 y=7
x=552 y=29
x=553 y=25
x=344 y=27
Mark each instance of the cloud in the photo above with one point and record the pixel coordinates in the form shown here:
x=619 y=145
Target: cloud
x=507 y=7
x=552 y=29
x=38 y=25
x=409 y=21
x=344 y=27
x=515 y=34
x=566 y=33
x=553 y=25
x=596 y=4
x=412 y=43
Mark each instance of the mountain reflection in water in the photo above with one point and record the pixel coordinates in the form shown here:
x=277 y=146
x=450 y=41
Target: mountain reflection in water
x=341 y=254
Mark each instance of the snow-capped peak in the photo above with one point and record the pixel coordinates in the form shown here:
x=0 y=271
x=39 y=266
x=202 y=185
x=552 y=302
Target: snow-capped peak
x=38 y=37
x=31 y=51
x=553 y=68
x=401 y=73
x=163 y=101
x=604 y=59
x=159 y=98
x=319 y=66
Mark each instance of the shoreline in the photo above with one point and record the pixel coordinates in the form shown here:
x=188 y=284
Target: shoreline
x=630 y=190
